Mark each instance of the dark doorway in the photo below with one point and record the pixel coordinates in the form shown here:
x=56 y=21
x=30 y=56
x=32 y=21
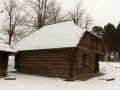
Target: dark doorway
x=97 y=62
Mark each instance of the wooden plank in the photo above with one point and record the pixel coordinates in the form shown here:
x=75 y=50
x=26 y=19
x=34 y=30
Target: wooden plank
x=110 y=79
x=57 y=71
x=42 y=66
x=44 y=62
x=10 y=78
x=43 y=54
x=92 y=42
x=43 y=58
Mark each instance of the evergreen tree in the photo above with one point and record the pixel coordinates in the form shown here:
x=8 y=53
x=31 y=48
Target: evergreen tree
x=98 y=30
x=117 y=48
x=110 y=39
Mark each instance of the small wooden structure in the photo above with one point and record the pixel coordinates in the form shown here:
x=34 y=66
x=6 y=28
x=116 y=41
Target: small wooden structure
x=5 y=50
x=59 y=50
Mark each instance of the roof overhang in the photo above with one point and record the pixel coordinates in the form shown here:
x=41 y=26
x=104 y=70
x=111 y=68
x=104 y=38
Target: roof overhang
x=91 y=50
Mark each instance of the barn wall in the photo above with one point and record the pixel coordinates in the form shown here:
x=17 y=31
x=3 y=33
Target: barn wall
x=66 y=63
x=92 y=42
x=86 y=62
x=89 y=50
x=3 y=63
x=44 y=62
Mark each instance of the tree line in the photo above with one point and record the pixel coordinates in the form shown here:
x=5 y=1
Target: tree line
x=111 y=37
x=22 y=18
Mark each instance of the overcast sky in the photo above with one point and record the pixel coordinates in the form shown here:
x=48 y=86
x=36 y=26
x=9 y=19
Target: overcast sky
x=102 y=11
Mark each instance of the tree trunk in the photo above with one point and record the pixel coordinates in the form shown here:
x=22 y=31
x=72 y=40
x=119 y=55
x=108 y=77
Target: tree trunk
x=10 y=38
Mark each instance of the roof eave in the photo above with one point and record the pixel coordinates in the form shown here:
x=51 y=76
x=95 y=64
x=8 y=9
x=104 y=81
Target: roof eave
x=47 y=49
x=8 y=51
x=94 y=51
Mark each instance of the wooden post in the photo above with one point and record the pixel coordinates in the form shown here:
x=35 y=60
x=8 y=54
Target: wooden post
x=97 y=63
x=72 y=64
x=16 y=61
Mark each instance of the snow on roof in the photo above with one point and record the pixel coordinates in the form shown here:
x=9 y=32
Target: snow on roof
x=60 y=35
x=5 y=47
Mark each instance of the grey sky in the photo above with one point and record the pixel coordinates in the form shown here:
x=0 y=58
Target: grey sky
x=102 y=11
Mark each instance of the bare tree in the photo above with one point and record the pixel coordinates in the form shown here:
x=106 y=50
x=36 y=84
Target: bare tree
x=88 y=21
x=14 y=18
x=43 y=12
x=77 y=14
x=54 y=13
x=39 y=8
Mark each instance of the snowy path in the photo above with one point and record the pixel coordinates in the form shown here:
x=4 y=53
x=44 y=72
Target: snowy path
x=29 y=82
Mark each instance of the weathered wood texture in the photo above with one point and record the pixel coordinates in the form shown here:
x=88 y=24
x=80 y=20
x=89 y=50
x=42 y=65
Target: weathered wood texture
x=63 y=62
x=92 y=42
x=86 y=62
x=58 y=63
x=3 y=63
x=44 y=62
x=89 y=51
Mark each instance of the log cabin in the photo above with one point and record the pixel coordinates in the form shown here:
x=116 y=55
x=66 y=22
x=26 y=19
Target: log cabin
x=59 y=50
x=5 y=51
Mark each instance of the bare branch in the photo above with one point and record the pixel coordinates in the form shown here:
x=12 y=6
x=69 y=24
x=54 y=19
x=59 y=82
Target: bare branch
x=14 y=18
x=77 y=14
x=88 y=21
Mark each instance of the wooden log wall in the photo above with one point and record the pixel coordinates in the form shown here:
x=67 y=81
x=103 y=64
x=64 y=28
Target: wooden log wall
x=92 y=42
x=85 y=62
x=3 y=63
x=44 y=62
x=66 y=63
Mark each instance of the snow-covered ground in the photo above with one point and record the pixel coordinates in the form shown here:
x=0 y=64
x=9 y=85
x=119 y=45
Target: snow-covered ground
x=31 y=82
